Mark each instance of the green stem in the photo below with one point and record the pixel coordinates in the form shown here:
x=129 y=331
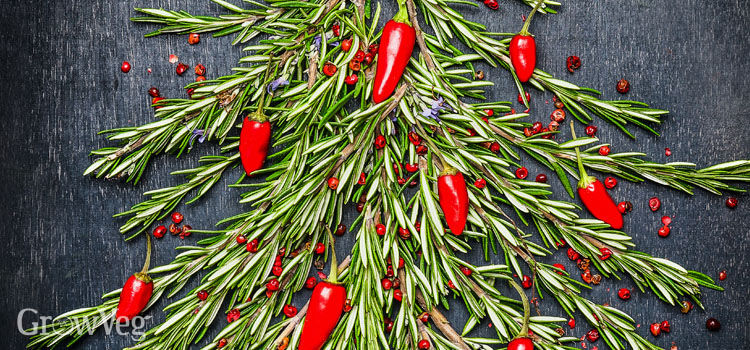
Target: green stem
x=525 y=29
x=259 y=115
x=526 y=310
x=148 y=255
x=334 y=274
x=585 y=179
x=581 y=169
x=402 y=16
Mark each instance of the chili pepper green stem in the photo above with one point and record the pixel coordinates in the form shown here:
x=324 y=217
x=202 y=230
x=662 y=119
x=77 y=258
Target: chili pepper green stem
x=402 y=16
x=334 y=274
x=525 y=29
x=259 y=116
x=585 y=180
x=526 y=310
x=148 y=255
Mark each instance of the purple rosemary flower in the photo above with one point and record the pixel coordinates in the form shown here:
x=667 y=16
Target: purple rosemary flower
x=275 y=84
x=200 y=134
x=316 y=42
x=434 y=110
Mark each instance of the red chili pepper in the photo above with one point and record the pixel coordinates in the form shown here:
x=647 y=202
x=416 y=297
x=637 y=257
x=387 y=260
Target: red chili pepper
x=521 y=344
x=454 y=199
x=324 y=311
x=595 y=197
x=255 y=137
x=137 y=291
x=396 y=46
x=522 y=49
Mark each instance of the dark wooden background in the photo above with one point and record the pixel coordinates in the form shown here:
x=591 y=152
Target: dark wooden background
x=61 y=83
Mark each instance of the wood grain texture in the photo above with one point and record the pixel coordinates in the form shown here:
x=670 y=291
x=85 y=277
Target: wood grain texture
x=61 y=84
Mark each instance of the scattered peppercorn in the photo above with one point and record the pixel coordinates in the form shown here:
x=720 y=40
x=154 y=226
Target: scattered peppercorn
x=655 y=329
x=388 y=324
x=185 y=231
x=492 y=4
x=290 y=311
x=200 y=69
x=541 y=178
x=558 y=115
x=623 y=293
x=625 y=207
x=125 y=67
x=526 y=282
x=252 y=246
x=522 y=173
x=386 y=283
x=310 y=282
x=159 y=231
x=233 y=315
x=623 y=86
x=604 y=150
x=380 y=229
x=351 y=79
x=194 y=38
x=480 y=183
x=479 y=75
x=610 y=182
x=526 y=94
x=329 y=69
x=592 y=335
x=732 y=202
x=153 y=91
x=177 y=217
x=654 y=203
x=340 y=230
x=333 y=183
x=666 y=220
x=273 y=285
x=686 y=306
x=713 y=324
x=495 y=147
x=665 y=326
x=346 y=45
x=722 y=275
x=379 y=142
x=573 y=63
x=181 y=68
x=591 y=130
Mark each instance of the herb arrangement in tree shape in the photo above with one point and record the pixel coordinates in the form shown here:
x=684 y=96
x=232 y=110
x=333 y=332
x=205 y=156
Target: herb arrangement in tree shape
x=433 y=173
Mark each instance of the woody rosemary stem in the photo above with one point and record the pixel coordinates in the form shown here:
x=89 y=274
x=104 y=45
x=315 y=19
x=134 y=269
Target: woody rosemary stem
x=526 y=309
x=433 y=146
x=525 y=28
